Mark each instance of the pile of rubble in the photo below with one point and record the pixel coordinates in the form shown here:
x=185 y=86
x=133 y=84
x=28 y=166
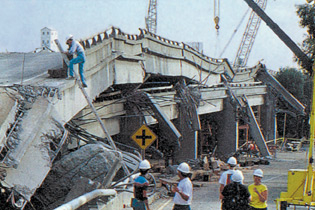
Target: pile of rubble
x=204 y=169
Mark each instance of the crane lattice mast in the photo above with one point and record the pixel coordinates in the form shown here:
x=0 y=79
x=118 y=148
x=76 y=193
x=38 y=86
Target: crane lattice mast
x=249 y=36
x=150 y=19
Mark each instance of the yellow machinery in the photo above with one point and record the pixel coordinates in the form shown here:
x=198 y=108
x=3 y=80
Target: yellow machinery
x=300 y=187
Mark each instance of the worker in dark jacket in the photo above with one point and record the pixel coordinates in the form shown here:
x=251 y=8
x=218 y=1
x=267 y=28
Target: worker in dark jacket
x=235 y=194
x=140 y=188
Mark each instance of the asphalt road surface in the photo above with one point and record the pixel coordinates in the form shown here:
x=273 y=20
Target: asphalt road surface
x=275 y=177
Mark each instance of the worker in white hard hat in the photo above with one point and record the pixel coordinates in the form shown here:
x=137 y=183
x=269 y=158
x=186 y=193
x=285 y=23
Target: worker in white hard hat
x=235 y=195
x=225 y=177
x=258 y=192
x=140 y=201
x=76 y=48
x=184 y=190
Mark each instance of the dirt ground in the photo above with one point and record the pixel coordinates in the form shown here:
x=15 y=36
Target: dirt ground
x=275 y=177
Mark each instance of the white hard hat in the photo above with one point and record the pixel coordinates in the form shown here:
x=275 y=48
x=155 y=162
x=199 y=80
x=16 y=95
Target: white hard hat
x=259 y=173
x=70 y=36
x=232 y=161
x=184 y=167
x=237 y=176
x=145 y=164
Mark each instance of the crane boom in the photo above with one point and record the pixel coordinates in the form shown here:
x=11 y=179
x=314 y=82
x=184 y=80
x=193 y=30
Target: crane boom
x=151 y=18
x=306 y=62
x=249 y=36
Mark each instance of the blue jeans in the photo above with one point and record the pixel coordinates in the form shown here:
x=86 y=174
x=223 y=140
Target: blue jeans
x=80 y=59
x=137 y=204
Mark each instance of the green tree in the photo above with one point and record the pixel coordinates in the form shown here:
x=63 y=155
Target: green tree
x=299 y=85
x=292 y=80
x=307 y=14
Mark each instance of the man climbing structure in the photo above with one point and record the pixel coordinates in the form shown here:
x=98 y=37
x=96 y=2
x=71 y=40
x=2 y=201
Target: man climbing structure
x=76 y=48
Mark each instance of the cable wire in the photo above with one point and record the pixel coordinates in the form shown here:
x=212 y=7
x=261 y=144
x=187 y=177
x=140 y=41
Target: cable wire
x=235 y=30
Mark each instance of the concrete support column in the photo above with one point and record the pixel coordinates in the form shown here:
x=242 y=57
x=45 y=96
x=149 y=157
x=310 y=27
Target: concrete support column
x=188 y=144
x=228 y=130
x=268 y=115
x=188 y=148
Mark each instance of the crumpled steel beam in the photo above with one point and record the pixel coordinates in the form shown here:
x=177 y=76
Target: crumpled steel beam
x=162 y=118
x=255 y=129
x=189 y=104
x=268 y=79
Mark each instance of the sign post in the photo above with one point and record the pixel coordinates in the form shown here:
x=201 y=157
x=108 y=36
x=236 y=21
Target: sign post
x=144 y=137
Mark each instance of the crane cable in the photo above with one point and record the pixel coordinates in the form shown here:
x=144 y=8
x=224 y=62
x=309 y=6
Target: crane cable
x=235 y=30
x=216 y=14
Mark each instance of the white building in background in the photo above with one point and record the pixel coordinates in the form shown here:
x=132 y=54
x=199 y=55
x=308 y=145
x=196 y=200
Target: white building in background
x=48 y=36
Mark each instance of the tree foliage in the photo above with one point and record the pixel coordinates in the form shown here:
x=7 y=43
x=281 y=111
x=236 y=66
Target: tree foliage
x=292 y=80
x=300 y=86
x=306 y=12
x=296 y=82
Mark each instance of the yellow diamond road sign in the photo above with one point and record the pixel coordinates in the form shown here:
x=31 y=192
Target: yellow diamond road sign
x=144 y=137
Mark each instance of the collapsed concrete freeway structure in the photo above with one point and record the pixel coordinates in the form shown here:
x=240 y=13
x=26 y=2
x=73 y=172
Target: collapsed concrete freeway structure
x=195 y=104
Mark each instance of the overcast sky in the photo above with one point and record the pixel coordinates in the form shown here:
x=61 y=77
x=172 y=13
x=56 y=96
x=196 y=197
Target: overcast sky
x=178 y=20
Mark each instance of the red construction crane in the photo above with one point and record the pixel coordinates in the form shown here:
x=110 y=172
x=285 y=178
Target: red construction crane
x=249 y=36
x=151 y=18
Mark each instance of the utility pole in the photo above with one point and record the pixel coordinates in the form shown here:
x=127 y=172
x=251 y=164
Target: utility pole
x=151 y=18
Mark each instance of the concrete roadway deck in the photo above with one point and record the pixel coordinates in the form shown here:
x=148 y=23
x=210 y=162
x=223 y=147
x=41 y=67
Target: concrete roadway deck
x=17 y=68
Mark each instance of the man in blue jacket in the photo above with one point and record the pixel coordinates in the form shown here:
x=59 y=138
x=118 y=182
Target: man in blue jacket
x=140 y=188
x=76 y=48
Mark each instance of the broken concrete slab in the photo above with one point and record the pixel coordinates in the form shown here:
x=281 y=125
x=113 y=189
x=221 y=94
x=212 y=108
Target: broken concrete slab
x=29 y=160
x=91 y=161
x=7 y=114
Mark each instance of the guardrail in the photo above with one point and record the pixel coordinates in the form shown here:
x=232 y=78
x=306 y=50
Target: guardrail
x=281 y=139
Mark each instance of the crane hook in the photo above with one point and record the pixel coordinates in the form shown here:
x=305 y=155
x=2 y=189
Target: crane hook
x=216 y=21
x=216 y=14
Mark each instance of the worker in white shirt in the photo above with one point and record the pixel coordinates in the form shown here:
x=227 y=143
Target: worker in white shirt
x=225 y=178
x=76 y=48
x=184 y=190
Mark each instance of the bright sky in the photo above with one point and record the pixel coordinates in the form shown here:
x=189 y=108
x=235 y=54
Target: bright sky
x=178 y=20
